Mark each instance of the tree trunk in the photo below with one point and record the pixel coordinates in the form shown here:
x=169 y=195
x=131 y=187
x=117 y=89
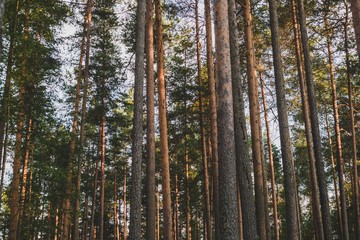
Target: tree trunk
x=150 y=134
x=243 y=162
x=87 y=25
x=340 y=160
x=355 y=10
x=168 y=235
x=293 y=230
x=188 y=216
x=125 y=203
x=207 y=213
x=254 y=122
x=93 y=205
x=324 y=199
x=228 y=217
x=213 y=114
x=135 y=209
x=353 y=132
x=305 y=108
x=271 y=163
x=102 y=165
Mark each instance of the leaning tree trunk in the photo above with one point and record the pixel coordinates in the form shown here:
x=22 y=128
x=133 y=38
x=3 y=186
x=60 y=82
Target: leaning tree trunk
x=164 y=149
x=228 y=217
x=150 y=129
x=256 y=138
x=320 y=170
x=243 y=162
x=293 y=230
x=353 y=132
x=135 y=209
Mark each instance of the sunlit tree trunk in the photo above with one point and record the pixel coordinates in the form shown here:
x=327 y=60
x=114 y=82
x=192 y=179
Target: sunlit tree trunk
x=353 y=132
x=137 y=133
x=150 y=129
x=324 y=199
x=228 y=215
x=256 y=138
x=168 y=233
x=243 y=161
x=213 y=114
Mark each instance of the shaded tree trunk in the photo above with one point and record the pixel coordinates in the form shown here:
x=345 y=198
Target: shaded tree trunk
x=355 y=10
x=228 y=215
x=324 y=199
x=102 y=164
x=150 y=127
x=243 y=162
x=164 y=150
x=135 y=209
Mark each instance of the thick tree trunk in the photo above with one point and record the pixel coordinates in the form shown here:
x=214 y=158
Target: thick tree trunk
x=135 y=209
x=228 y=217
x=150 y=129
x=213 y=114
x=271 y=163
x=256 y=138
x=87 y=24
x=243 y=162
x=293 y=230
x=164 y=150
x=340 y=160
x=324 y=199
x=207 y=213
x=353 y=132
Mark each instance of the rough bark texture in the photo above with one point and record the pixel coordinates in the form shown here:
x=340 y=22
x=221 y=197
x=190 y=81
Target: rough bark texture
x=135 y=210
x=207 y=213
x=228 y=217
x=256 y=138
x=213 y=115
x=355 y=10
x=293 y=231
x=324 y=199
x=164 y=149
x=353 y=132
x=150 y=134
x=243 y=161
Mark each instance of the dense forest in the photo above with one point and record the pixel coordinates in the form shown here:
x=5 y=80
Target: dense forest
x=179 y=119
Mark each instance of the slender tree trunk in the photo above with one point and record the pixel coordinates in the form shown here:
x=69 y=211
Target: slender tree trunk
x=158 y=216
x=293 y=230
x=271 y=163
x=93 y=205
x=187 y=180
x=355 y=10
x=102 y=165
x=150 y=129
x=177 y=235
x=207 y=213
x=338 y=208
x=213 y=115
x=4 y=112
x=116 y=217
x=163 y=126
x=6 y=141
x=243 y=162
x=254 y=122
x=228 y=217
x=305 y=108
x=87 y=24
x=324 y=199
x=125 y=203
x=353 y=132
x=135 y=209
x=340 y=160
